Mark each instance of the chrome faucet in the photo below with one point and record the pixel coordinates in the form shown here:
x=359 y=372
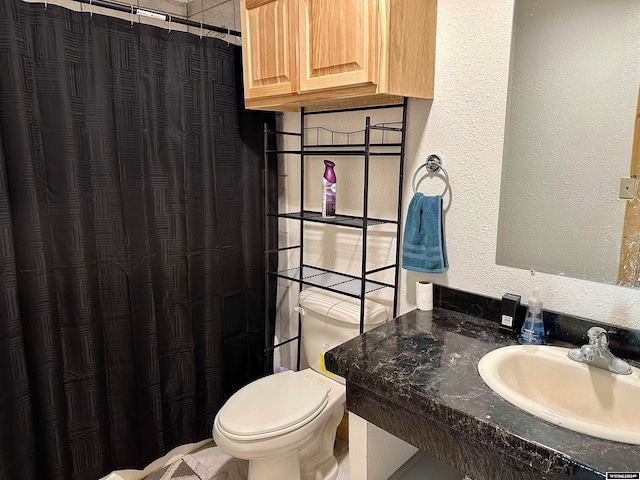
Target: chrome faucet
x=597 y=353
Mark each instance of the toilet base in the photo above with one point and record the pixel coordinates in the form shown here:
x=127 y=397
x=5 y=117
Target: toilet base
x=316 y=457
x=314 y=460
x=328 y=472
x=289 y=467
x=285 y=466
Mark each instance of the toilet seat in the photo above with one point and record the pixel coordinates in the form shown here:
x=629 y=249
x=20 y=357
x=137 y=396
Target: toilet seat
x=272 y=406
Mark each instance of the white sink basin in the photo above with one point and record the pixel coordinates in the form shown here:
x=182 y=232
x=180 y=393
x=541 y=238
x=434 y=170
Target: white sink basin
x=542 y=381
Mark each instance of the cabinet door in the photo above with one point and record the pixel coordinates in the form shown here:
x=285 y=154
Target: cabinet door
x=270 y=53
x=338 y=43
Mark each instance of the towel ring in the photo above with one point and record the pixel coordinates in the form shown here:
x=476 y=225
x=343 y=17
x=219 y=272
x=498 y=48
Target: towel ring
x=433 y=164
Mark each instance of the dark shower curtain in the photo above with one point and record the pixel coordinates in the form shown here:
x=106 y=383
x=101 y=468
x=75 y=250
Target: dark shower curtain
x=131 y=240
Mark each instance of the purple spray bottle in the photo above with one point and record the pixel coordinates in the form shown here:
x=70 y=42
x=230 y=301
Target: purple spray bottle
x=329 y=190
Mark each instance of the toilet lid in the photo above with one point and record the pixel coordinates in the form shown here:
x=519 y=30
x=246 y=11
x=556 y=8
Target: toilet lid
x=272 y=404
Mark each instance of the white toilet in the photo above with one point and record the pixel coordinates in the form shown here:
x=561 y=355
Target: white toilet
x=285 y=424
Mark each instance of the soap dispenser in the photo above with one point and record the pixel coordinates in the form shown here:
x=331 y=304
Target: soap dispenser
x=532 y=332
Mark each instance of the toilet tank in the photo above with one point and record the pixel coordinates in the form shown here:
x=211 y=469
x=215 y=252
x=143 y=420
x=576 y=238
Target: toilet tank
x=330 y=319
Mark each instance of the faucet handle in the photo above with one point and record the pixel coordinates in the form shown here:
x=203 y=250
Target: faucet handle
x=598 y=337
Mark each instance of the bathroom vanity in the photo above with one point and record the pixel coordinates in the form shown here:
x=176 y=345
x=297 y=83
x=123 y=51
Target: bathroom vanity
x=416 y=377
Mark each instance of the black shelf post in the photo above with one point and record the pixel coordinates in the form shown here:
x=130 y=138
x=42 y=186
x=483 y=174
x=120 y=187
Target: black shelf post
x=365 y=216
x=265 y=226
x=399 y=217
x=301 y=239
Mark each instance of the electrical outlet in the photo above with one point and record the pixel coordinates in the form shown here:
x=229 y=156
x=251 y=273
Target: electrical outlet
x=628 y=187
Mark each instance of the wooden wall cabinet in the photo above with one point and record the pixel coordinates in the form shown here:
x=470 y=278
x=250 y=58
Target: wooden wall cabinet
x=331 y=53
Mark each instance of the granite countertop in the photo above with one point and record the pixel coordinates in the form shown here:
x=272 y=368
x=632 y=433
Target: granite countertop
x=417 y=378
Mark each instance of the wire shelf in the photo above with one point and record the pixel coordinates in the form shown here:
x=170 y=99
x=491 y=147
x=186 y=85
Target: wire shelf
x=329 y=280
x=341 y=220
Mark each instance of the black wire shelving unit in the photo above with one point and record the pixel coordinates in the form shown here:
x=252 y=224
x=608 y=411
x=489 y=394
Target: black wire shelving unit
x=323 y=142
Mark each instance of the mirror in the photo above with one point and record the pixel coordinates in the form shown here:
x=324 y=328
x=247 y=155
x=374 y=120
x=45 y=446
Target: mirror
x=569 y=134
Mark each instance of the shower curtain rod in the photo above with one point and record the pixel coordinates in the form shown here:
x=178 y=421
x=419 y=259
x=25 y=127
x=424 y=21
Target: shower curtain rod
x=134 y=10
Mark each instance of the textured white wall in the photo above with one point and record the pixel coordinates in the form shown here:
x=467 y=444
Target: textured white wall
x=573 y=96
x=465 y=124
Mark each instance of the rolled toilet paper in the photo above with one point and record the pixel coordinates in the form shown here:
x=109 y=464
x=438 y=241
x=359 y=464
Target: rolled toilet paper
x=424 y=295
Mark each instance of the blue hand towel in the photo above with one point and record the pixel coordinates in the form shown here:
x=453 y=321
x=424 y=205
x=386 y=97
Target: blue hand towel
x=423 y=248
